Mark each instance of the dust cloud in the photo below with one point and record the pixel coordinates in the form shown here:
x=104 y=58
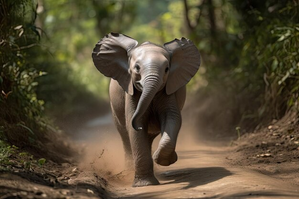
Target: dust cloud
x=211 y=116
x=201 y=169
x=103 y=149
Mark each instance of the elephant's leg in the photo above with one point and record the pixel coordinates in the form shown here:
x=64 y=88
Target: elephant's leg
x=143 y=162
x=117 y=103
x=140 y=144
x=144 y=174
x=126 y=145
x=170 y=126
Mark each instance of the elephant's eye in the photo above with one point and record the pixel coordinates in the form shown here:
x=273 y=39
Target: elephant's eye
x=166 y=69
x=137 y=68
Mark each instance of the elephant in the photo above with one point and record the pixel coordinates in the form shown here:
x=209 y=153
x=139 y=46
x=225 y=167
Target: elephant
x=147 y=92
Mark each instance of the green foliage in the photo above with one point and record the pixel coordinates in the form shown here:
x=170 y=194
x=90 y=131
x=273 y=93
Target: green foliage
x=269 y=61
x=10 y=156
x=5 y=152
x=19 y=36
x=249 y=55
x=72 y=84
x=249 y=49
x=41 y=161
x=72 y=35
x=159 y=24
x=250 y=60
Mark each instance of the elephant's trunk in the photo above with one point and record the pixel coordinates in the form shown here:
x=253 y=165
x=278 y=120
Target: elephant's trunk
x=151 y=86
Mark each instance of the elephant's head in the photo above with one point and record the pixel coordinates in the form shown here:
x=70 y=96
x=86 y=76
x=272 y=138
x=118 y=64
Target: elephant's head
x=148 y=68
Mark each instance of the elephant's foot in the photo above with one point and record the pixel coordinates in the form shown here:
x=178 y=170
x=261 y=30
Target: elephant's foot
x=165 y=159
x=141 y=181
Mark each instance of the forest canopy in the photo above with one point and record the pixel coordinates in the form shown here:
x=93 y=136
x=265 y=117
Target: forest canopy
x=249 y=49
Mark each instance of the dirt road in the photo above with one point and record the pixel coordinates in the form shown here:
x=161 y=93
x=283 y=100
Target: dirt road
x=261 y=165
x=202 y=171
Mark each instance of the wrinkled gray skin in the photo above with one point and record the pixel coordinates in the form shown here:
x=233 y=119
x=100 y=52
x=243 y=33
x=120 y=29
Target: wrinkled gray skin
x=147 y=93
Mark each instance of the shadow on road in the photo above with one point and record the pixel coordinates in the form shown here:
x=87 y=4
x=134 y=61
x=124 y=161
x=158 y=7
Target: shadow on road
x=194 y=176
x=258 y=194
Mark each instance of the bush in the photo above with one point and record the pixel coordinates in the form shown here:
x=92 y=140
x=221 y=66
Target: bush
x=269 y=61
x=20 y=108
x=252 y=65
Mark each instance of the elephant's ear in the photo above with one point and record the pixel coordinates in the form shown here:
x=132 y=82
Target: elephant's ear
x=110 y=56
x=184 y=63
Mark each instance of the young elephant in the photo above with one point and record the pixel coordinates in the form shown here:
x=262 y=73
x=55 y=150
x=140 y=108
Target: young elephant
x=147 y=93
